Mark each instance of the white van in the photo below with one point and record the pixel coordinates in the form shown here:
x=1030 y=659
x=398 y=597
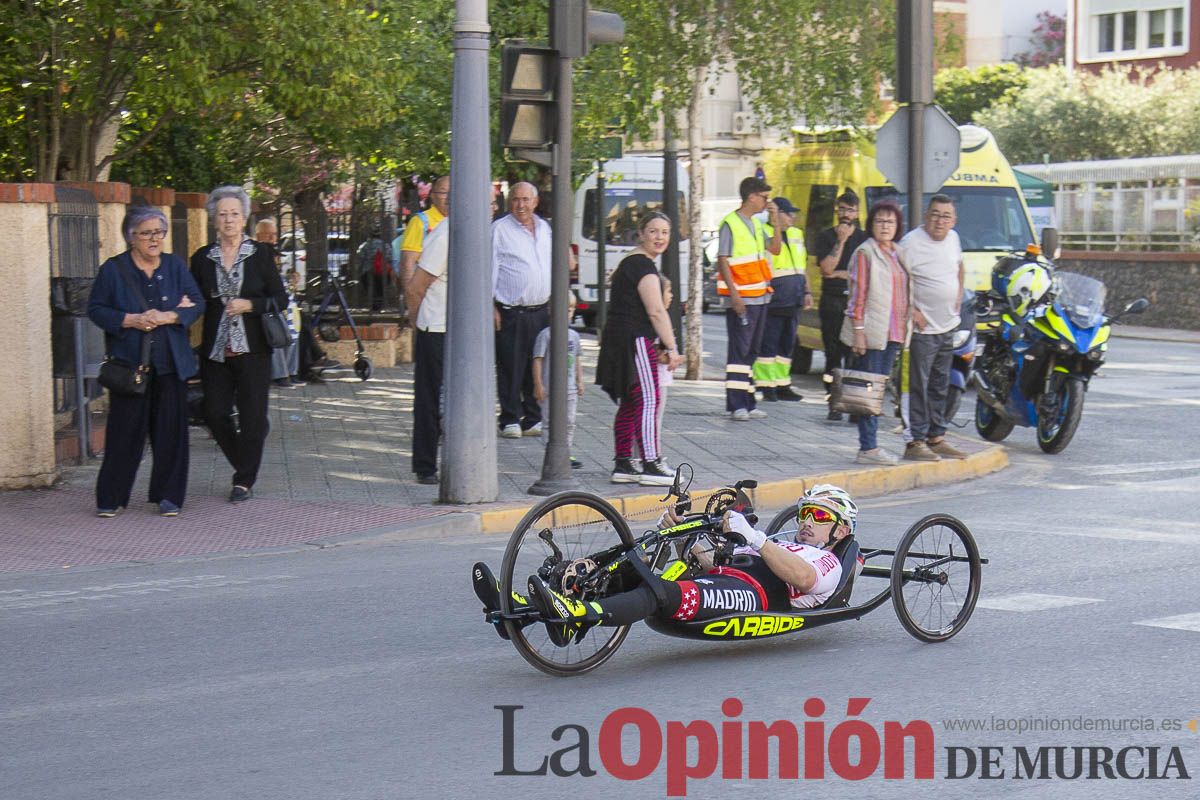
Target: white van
x=632 y=188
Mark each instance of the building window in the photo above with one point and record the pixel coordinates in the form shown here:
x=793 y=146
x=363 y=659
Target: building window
x=1136 y=33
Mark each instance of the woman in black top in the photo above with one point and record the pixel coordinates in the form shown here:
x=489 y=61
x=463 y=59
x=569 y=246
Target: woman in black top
x=628 y=366
x=237 y=277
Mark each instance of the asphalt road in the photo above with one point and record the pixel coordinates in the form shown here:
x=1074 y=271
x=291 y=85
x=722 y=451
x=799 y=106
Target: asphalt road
x=365 y=672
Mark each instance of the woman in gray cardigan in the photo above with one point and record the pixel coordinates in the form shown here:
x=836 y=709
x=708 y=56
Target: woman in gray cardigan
x=878 y=322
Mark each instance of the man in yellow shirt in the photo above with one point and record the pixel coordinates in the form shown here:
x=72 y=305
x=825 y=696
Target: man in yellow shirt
x=408 y=246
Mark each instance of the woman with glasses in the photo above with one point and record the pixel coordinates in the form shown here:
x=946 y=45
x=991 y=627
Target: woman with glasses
x=239 y=281
x=144 y=300
x=878 y=320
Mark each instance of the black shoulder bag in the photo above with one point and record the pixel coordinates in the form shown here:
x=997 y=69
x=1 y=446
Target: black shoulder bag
x=119 y=376
x=275 y=328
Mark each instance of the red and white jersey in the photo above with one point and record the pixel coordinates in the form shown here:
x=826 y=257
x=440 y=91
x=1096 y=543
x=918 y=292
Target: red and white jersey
x=829 y=572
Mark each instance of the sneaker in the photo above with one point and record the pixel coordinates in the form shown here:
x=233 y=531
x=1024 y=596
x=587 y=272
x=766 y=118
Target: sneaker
x=511 y=432
x=740 y=415
x=313 y=377
x=324 y=362
x=298 y=381
x=919 y=451
x=107 y=513
x=834 y=416
x=566 y=619
x=756 y=413
x=533 y=430
x=946 y=450
x=576 y=463
x=428 y=480
x=487 y=589
x=876 y=456
x=626 y=470
x=656 y=473
x=239 y=494
x=768 y=394
x=285 y=383
x=167 y=509
x=789 y=394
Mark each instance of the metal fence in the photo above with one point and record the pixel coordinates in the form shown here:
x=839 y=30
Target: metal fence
x=77 y=346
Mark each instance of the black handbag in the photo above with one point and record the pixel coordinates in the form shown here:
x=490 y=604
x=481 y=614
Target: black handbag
x=275 y=327
x=118 y=375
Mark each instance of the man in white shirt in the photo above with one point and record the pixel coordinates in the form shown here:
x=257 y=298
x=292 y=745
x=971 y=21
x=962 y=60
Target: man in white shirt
x=521 y=255
x=933 y=257
x=425 y=296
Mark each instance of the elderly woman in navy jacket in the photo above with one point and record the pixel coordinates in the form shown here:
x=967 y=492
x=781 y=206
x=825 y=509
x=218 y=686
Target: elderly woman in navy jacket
x=139 y=294
x=237 y=277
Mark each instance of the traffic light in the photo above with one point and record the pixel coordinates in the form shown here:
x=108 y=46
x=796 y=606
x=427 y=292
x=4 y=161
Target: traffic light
x=574 y=28
x=527 y=77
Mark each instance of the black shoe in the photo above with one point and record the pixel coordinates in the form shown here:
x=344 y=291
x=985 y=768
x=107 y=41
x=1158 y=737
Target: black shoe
x=324 y=362
x=239 y=494
x=626 y=470
x=298 y=381
x=655 y=473
x=576 y=463
x=566 y=620
x=834 y=416
x=285 y=383
x=487 y=589
x=769 y=395
x=313 y=377
x=428 y=480
x=789 y=394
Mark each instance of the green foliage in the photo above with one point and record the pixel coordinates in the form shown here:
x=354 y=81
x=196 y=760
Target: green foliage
x=1117 y=114
x=964 y=92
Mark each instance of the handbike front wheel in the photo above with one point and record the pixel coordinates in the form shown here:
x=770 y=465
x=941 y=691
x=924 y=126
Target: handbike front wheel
x=935 y=578
x=560 y=534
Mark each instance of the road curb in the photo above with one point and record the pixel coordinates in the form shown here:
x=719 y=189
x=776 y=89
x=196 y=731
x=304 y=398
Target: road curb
x=870 y=482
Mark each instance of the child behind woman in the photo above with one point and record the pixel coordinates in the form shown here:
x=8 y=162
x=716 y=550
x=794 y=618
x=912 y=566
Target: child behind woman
x=541 y=375
x=665 y=377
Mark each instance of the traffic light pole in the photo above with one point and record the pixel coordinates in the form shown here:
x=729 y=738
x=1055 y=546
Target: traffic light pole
x=469 y=451
x=556 y=464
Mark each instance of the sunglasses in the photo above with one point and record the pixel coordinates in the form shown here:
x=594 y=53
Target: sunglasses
x=817 y=514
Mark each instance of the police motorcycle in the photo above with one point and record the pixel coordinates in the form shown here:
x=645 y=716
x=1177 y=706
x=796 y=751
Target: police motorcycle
x=964 y=355
x=1046 y=336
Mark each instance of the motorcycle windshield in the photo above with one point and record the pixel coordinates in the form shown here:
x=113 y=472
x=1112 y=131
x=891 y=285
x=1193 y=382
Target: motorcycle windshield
x=1081 y=298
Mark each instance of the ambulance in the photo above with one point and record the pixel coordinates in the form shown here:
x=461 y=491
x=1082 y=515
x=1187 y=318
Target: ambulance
x=993 y=217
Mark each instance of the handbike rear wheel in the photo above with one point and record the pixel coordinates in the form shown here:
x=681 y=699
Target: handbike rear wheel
x=781 y=522
x=935 y=578
x=578 y=524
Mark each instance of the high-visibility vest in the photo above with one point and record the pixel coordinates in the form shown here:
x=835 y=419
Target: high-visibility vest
x=792 y=258
x=748 y=265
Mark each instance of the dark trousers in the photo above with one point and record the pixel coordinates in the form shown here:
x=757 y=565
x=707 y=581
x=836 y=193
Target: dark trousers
x=161 y=413
x=243 y=381
x=310 y=351
x=779 y=335
x=833 y=313
x=744 y=341
x=930 y=355
x=519 y=327
x=427 y=394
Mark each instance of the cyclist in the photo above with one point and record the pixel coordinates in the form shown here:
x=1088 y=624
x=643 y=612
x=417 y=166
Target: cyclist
x=765 y=575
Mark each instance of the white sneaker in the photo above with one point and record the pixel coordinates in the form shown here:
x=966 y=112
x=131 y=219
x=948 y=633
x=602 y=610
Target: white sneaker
x=876 y=456
x=757 y=413
x=511 y=431
x=535 y=430
x=740 y=415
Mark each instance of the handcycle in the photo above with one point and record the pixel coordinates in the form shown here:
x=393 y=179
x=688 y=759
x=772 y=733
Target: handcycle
x=582 y=547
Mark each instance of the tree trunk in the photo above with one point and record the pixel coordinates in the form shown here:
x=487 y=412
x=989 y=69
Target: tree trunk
x=695 y=315
x=311 y=210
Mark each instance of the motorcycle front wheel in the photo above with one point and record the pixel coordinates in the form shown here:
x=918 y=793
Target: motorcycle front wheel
x=991 y=425
x=560 y=534
x=1055 y=434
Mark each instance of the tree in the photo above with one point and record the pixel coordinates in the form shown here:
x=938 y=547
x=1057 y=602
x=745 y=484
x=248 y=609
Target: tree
x=823 y=66
x=1119 y=113
x=1049 y=42
x=964 y=92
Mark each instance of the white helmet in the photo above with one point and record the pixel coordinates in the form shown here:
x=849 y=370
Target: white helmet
x=1028 y=286
x=834 y=498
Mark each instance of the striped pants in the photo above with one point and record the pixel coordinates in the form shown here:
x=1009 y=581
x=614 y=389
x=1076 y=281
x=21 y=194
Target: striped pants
x=773 y=367
x=637 y=415
x=744 y=340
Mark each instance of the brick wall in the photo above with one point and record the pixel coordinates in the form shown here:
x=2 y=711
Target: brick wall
x=1170 y=281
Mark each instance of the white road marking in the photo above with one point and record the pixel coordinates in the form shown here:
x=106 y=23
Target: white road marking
x=1033 y=602
x=1126 y=535
x=12 y=599
x=1150 y=466
x=1182 y=622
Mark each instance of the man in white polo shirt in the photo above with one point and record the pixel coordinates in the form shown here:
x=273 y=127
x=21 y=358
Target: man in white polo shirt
x=425 y=296
x=933 y=256
x=521 y=255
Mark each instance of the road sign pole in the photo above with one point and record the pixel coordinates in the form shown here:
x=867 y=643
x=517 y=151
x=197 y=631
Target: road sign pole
x=469 y=454
x=916 y=153
x=601 y=249
x=670 y=186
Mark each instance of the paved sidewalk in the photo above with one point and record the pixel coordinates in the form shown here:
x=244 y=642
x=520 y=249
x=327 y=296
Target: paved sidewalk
x=338 y=463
